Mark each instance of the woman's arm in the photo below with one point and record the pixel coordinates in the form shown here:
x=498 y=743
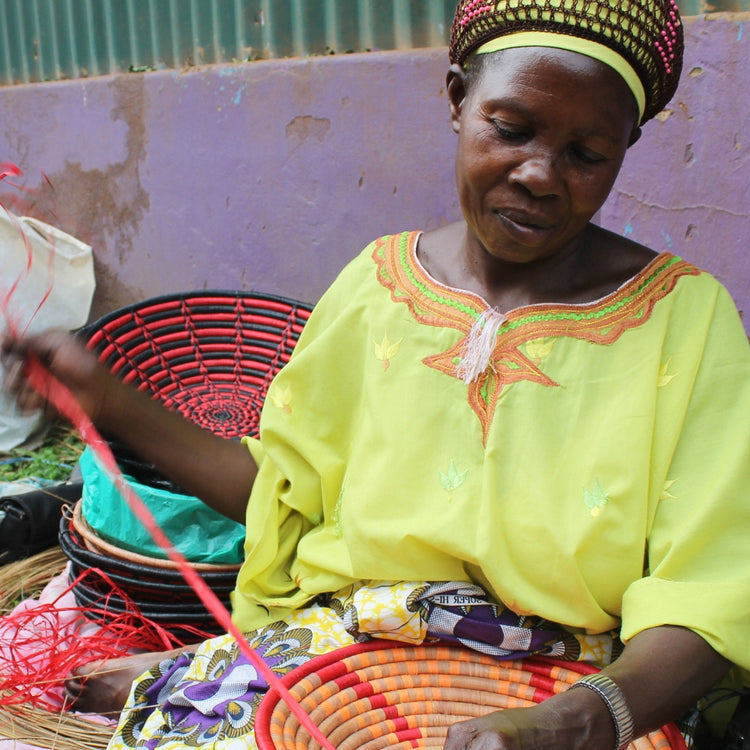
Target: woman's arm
x=661 y=673
x=220 y=472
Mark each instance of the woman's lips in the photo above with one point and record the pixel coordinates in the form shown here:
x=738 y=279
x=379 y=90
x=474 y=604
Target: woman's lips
x=525 y=226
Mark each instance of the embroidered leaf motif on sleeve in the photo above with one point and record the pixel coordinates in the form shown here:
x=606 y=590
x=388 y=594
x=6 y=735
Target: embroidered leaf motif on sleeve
x=664 y=377
x=665 y=493
x=595 y=499
x=281 y=398
x=452 y=479
x=539 y=349
x=385 y=351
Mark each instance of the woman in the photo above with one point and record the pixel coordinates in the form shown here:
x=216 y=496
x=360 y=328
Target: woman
x=520 y=408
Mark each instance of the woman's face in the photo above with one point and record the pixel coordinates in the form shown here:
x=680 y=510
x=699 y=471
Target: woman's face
x=542 y=135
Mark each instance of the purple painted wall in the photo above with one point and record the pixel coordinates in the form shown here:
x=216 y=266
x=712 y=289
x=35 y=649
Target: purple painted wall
x=686 y=185
x=272 y=175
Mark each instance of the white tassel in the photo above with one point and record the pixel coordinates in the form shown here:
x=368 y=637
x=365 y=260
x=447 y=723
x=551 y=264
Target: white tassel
x=480 y=345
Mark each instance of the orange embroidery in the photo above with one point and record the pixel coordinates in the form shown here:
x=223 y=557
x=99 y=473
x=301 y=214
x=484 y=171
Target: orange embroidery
x=601 y=322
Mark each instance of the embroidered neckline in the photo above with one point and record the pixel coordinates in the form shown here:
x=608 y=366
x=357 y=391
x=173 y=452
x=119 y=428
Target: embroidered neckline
x=602 y=321
x=474 y=304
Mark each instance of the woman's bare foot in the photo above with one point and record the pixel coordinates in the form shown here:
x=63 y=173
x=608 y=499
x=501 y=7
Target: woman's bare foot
x=103 y=687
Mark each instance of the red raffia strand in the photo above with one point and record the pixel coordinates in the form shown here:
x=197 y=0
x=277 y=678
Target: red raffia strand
x=9 y=169
x=64 y=401
x=33 y=677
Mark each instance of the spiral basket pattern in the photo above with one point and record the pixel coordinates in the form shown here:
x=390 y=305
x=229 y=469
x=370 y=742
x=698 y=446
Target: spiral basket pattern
x=384 y=695
x=208 y=355
x=211 y=357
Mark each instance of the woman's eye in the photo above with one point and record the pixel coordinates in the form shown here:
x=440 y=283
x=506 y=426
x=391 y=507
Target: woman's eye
x=587 y=156
x=508 y=134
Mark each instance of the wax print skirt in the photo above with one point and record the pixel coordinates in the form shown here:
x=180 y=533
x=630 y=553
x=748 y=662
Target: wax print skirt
x=211 y=698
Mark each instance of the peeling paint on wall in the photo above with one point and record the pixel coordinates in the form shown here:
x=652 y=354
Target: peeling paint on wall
x=303 y=127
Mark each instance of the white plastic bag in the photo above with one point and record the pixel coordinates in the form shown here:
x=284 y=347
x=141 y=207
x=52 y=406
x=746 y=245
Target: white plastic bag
x=61 y=265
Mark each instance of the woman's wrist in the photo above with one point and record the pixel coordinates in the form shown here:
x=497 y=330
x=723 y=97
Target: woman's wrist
x=585 y=713
x=613 y=698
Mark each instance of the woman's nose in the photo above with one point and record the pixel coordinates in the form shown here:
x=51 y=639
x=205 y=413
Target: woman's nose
x=539 y=174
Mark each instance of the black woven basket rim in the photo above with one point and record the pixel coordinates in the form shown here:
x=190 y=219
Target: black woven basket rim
x=177 y=626
x=175 y=612
x=76 y=551
x=133 y=587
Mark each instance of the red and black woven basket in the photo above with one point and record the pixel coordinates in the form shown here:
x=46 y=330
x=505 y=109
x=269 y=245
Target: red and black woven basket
x=208 y=355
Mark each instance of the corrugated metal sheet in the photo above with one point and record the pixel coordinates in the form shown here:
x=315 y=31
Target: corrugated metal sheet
x=43 y=40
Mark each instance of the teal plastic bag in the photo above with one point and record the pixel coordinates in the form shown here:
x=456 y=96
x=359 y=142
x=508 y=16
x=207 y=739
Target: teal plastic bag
x=197 y=531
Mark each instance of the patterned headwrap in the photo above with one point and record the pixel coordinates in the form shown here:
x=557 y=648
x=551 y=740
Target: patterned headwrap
x=641 y=39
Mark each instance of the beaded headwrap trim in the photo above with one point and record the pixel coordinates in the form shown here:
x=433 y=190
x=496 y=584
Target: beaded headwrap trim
x=586 y=47
x=647 y=34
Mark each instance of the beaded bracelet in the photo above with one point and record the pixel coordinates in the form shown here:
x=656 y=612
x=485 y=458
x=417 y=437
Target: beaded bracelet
x=613 y=698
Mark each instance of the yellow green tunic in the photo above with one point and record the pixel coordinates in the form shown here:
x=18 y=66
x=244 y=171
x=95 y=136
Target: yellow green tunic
x=596 y=474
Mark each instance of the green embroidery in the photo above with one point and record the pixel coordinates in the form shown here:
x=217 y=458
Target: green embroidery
x=600 y=311
x=595 y=314
x=452 y=479
x=404 y=258
x=486 y=390
x=595 y=499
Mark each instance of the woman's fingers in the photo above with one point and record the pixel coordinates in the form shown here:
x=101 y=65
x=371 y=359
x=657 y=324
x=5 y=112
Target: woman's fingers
x=545 y=726
x=57 y=352
x=14 y=376
x=491 y=732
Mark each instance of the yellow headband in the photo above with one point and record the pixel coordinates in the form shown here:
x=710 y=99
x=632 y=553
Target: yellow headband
x=573 y=44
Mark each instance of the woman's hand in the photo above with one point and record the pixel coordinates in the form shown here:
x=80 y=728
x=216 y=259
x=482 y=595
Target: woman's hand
x=220 y=472
x=661 y=673
x=67 y=360
x=569 y=720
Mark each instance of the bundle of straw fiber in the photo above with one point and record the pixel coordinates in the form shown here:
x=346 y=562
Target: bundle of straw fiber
x=23 y=723
x=45 y=729
x=22 y=578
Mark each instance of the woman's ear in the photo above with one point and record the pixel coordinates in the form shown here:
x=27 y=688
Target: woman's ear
x=634 y=136
x=455 y=83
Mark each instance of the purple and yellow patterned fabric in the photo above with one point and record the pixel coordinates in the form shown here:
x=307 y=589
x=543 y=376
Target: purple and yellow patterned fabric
x=212 y=697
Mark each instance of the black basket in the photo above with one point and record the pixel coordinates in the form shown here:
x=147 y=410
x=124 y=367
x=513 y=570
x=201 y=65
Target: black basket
x=145 y=590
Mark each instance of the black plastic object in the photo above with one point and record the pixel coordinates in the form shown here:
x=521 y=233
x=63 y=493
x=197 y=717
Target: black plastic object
x=29 y=521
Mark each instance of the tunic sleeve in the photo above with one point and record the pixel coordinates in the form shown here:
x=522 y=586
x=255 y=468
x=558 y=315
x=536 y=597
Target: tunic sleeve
x=698 y=573
x=298 y=472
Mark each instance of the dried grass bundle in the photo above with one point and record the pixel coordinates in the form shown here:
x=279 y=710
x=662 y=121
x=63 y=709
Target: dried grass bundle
x=57 y=731
x=24 y=578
